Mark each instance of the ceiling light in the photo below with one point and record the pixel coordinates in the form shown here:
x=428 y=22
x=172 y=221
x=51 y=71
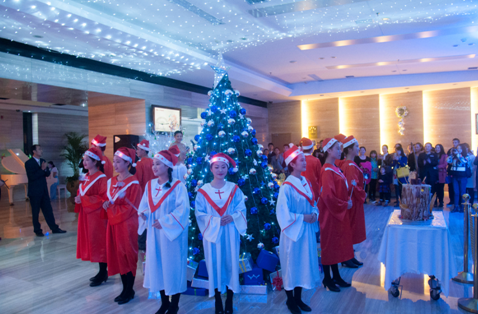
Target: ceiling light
x=293 y=61
x=455 y=46
x=321 y=58
x=386 y=19
x=37 y=36
x=333 y=57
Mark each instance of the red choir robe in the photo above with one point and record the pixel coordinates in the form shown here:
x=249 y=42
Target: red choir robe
x=91 y=240
x=122 y=231
x=144 y=171
x=312 y=173
x=108 y=167
x=356 y=213
x=334 y=221
x=339 y=162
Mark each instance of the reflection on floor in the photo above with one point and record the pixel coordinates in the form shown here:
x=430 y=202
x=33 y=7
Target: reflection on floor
x=42 y=275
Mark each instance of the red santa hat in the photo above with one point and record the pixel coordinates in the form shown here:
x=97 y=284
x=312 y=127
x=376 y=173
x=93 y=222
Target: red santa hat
x=95 y=153
x=175 y=150
x=291 y=154
x=99 y=141
x=167 y=157
x=349 y=140
x=127 y=154
x=340 y=137
x=144 y=145
x=224 y=158
x=328 y=143
x=306 y=143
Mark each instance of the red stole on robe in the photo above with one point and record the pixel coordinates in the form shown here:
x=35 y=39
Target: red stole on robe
x=85 y=186
x=219 y=210
x=153 y=207
x=310 y=200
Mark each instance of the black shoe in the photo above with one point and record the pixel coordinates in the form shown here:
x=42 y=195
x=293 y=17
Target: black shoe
x=341 y=283
x=330 y=285
x=58 y=231
x=173 y=309
x=292 y=306
x=349 y=264
x=119 y=297
x=304 y=307
x=39 y=234
x=356 y=262
x=128 y=296
x=99 y=280
x=219 y=307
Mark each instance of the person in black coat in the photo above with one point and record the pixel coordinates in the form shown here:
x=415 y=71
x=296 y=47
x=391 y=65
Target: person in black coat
x=427 y=164
x=37 y=171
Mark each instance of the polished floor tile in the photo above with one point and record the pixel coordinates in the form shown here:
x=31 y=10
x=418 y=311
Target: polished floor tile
x=42 y=275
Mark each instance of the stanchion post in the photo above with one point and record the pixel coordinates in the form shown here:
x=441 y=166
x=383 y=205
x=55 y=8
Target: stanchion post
x=471 y=304
x=465 y=276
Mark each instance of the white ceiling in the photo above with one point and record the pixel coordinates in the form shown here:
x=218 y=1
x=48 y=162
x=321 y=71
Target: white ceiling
x=180 y=39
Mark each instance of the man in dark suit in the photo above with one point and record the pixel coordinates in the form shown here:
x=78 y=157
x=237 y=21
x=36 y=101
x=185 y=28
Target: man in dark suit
x=37 y=171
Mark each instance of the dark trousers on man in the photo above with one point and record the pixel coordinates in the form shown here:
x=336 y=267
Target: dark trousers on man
x=43 y=202
x=451 y=191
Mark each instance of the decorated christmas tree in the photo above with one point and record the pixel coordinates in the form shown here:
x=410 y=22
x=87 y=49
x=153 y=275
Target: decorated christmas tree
x=227 y=129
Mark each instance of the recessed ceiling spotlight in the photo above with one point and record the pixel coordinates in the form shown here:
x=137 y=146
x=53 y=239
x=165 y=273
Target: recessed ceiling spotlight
x=407 y=88
x=470 y=44
x=293 y=61
x=333 y=57
x=394 y=71
x=321 y=58
x=455 y=46
x=244 y=38
x=37 y=36
x=403 y=70
x=321 y=95
x=386 y=19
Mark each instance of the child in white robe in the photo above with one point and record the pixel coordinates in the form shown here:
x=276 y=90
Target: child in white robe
x=297 y=216
x=221 y=217
x=164 y=210
x=179 y=170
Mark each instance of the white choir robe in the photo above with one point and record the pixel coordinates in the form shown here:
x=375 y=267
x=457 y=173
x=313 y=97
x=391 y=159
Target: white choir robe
x=221 y=243
x=179 y=171
x=166 y=248
x=298 y=242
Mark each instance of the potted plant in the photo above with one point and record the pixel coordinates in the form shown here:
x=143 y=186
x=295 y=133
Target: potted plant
x=73 y=153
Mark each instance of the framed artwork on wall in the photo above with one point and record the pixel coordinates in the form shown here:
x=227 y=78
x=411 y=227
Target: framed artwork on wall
x=166 y=119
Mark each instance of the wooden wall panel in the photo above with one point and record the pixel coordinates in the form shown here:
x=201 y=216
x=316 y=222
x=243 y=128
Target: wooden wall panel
x=114 y=118
x=286 y=118
x=325 y=115
x=389 y=120
x=447 y=115
x=360 y=117
x=51 y=137
x=11 y=129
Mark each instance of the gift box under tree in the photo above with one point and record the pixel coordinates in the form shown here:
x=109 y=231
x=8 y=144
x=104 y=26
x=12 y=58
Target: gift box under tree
x=202 y=269
x=254 y=277
x=196 y=291
x=267 y=260
x=191 y=269
x=276 y=280
x=245 y=263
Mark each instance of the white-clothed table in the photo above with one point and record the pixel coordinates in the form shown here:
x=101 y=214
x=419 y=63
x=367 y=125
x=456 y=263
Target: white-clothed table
x=419 y=247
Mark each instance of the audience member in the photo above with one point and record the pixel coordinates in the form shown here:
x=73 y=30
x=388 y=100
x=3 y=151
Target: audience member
x=451 y=191
x=442 y=165
x=271 y=153
x=384 y=181
x=53 y=177
x=276 y=161
x=470 y=183
x=399 y=161
x=427 y=165
x=458 y=171
x=375 y=172
x=413 y=156
x=361 y=156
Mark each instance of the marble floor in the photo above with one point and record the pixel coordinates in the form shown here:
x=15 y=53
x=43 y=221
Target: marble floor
x=42 y=275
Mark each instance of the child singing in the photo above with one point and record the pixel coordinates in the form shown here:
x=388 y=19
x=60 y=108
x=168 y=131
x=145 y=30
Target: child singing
x=164 y=211
x=221 y=216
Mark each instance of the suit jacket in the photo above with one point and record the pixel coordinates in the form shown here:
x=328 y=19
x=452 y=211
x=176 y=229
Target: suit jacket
x=36 y=177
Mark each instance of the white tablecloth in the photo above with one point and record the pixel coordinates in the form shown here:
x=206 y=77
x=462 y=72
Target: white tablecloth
x=419 y=247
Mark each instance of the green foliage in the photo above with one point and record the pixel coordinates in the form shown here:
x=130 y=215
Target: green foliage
x=73 y=152
x=210 y=142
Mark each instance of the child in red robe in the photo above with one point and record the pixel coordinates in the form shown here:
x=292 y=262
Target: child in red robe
x=334 y=221
x=100 y=142
x=91 y=241
x=355 y=180
x=123 y=197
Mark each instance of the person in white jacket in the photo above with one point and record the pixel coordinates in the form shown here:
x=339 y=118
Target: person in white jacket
x=297 y=215
x=221 y=217
x=164 y=210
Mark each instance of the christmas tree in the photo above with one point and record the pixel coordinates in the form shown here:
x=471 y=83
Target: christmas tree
x=226 y=129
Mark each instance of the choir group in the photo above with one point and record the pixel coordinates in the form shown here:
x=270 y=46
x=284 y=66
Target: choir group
x=113 y=211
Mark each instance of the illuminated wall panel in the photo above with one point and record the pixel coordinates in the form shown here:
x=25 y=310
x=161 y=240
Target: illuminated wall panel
x=446 y=115
x=360 y=116
x=474 y=111
x=389 y=121
x=324 y=114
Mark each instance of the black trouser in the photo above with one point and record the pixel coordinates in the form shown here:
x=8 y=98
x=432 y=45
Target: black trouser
x=440 y=190
x=398 y=190
x=372 y=189
x=451 y=191
x=384 y=196
x=43 y=202
x=142 y=241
